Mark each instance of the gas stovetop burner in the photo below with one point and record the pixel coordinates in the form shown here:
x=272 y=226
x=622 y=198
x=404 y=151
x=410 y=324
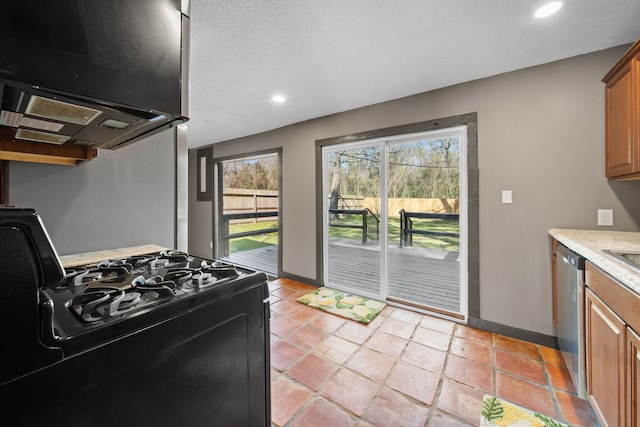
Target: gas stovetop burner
x=202 y=279
x=79 y=276
x=115 y=287
x=175 y=256
x=97 y=304
x=140 y=260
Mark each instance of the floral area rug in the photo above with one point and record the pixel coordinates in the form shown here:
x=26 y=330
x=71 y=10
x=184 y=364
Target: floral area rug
x=497 y=413
x=353 y=307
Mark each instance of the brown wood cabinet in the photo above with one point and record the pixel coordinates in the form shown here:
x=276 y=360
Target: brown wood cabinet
x=605 y=360
x=622 y=117
x=633 y=377
x=612 y=347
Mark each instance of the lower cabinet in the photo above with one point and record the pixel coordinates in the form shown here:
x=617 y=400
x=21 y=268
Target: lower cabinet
x=605 y=360
x=612 y=349
x=633 y=383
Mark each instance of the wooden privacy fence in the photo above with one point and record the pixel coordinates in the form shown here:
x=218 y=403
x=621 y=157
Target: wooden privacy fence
x=239 y=200
x=394 y=204
x=440 y=206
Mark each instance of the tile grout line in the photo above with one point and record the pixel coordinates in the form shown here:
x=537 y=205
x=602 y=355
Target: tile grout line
x=381 y=384
x=397 y=359
x=433 y=409
x=494 y=365
x=552 y=389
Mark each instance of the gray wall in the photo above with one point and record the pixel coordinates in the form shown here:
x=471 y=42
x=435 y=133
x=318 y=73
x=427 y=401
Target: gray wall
x=121 y=198
x=540 y=134
x=200 y=216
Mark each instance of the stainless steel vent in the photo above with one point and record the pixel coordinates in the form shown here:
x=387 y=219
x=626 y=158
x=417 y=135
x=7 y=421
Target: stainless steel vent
x=62 y=111
x=34 y=135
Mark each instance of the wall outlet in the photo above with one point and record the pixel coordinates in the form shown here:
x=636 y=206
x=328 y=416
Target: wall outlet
x=605 y=217
x=210 y=244
x=507 y=196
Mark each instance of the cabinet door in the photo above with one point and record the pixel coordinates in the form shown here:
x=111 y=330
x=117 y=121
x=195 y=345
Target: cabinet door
x=633 y=377
x=619 y=129
x=605 y=360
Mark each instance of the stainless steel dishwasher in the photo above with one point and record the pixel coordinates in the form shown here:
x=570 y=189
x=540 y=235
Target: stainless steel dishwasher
x=570 y=277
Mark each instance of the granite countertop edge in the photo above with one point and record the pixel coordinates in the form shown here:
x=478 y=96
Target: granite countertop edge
x=591 y=243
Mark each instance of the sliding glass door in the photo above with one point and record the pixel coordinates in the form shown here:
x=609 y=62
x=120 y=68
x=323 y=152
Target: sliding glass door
x=395 y=220
x=352 y=216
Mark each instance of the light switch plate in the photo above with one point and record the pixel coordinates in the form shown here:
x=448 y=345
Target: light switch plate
x=605 y=217
x=507 y=196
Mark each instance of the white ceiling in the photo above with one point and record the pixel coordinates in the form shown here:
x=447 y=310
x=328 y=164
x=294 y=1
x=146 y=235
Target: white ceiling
x=329 y=56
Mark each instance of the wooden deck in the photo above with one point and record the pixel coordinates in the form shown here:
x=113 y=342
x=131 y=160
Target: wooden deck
x=421 y=276
x=262 y=259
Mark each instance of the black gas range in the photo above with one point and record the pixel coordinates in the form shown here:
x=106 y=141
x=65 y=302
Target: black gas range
x=184 y=338
x=97 y=302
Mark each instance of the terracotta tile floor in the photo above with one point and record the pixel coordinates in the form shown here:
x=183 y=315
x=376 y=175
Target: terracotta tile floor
x=403 y=369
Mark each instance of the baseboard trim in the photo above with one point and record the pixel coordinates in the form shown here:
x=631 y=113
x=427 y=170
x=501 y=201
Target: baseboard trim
x=510 y=331
x=308 y=281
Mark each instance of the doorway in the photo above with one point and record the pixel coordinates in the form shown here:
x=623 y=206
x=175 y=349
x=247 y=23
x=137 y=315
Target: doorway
x=395 y=219
x=247 y=211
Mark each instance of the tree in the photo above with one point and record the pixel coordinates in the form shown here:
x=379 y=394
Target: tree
x=335 y=180
x=255 y=174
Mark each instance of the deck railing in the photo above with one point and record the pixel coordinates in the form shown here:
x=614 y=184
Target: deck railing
x=367 y=215
x=226 y=236
x=407 y=231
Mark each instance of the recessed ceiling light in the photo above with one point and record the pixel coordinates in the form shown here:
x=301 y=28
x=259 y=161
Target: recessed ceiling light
x=278 y=99
x=548 y=9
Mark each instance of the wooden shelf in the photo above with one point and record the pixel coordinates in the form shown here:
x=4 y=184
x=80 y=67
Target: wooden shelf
x=27 y=151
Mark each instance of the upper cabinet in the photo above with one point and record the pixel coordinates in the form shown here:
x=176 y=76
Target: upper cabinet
x=622 y=122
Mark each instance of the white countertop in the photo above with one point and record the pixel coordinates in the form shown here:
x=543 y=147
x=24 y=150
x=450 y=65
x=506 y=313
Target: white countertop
x=590 y=243
x=95 y=257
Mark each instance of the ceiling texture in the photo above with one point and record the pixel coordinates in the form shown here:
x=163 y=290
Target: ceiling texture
x=329 y=56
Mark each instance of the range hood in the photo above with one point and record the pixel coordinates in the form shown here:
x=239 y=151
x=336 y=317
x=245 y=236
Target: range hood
x=92 y=73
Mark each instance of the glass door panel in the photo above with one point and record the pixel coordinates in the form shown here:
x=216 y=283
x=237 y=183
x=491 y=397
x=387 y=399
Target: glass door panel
x=248 y=226
x=424 y=222
x=352 y=219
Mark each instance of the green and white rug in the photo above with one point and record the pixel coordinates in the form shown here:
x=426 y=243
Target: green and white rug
x=353 y=307
x=498 y=413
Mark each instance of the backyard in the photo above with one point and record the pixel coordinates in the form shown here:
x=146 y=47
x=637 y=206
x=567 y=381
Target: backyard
x=449 y=243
